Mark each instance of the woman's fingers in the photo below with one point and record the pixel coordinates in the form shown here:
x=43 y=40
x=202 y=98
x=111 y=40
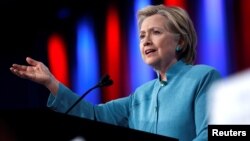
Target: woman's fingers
x=23 y=71
x=35 y=71
x=18 y=72
x=19 y=67
x=31 y=61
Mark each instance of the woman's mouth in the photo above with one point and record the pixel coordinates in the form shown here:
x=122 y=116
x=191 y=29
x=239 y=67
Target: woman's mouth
x=149 y=51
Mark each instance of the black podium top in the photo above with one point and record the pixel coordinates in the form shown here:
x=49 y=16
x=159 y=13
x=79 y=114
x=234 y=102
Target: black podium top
x=46 y=125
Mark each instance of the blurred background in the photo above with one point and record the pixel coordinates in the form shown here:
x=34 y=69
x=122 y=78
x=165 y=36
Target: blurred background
x=81 y=40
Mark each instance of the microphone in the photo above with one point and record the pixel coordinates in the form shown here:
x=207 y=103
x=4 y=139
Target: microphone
x=105 y=81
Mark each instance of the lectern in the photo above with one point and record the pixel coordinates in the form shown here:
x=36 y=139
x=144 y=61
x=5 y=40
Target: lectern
x=48 y=125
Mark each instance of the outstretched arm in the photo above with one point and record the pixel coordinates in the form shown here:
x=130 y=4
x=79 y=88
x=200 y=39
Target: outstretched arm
x=37 y=72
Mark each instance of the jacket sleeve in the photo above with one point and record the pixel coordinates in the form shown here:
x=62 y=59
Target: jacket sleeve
x=200 y=105
x=114 y=112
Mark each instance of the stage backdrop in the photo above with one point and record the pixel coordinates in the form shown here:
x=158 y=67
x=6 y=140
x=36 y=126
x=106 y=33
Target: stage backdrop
x=80 y=41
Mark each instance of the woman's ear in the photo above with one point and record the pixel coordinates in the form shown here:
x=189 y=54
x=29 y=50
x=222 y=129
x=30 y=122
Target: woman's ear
x=181 y=42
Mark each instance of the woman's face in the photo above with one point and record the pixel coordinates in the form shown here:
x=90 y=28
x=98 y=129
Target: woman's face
x=157 y=44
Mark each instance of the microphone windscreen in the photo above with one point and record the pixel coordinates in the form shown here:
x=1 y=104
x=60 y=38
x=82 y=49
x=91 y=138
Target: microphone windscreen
x=105 y=81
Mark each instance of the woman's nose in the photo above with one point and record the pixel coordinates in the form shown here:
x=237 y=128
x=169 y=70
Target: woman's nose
x=147 y=41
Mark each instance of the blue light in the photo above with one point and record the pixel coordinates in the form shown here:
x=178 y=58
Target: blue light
x=87 y=71
x=139 y=71
x=213 y=43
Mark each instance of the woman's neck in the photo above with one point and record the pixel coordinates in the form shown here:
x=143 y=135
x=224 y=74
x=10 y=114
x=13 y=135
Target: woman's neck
x=162 y=71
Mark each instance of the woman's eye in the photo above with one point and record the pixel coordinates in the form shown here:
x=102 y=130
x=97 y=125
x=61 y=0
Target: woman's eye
x=156 y=32
x=142 y=36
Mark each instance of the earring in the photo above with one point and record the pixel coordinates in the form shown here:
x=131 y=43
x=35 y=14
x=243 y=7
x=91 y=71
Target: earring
x=177 y=48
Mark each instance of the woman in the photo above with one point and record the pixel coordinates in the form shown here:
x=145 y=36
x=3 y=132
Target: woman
x=174 y=104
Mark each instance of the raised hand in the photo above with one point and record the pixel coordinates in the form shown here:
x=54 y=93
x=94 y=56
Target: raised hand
x=36 y=71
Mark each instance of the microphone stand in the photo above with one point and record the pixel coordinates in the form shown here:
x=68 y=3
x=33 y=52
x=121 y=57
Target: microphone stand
x=105 y=81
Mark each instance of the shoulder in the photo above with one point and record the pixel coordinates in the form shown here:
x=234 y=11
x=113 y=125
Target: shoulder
x=202 y=70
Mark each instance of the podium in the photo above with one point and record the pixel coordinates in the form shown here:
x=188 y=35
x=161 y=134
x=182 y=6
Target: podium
x=48 y=125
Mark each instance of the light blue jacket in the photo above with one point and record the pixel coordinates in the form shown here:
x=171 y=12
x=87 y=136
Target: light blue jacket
x=175 y=108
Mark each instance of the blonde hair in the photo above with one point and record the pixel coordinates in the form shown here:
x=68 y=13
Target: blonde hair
x=179 y=22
